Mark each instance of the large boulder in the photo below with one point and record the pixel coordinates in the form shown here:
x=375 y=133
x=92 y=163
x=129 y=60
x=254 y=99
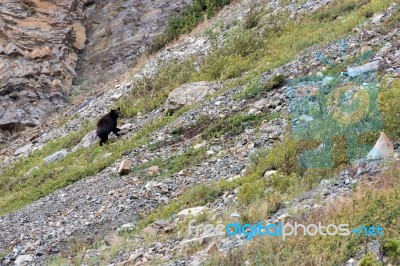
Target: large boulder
x=383 y=148
x=23 y=150
x=88 y=140
x=37 y=54
x=191 y=212
x=23 y=260
x=368 y=67
x=56 y=156
x=190 y=93
x=125 y=167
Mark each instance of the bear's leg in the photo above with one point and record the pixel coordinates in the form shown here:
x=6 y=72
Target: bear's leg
x=103 y=139
x=116 y=130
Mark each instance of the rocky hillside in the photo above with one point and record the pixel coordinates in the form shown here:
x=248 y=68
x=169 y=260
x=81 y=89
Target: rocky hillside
x=45 y=45
x=267 y=111
x=39 y=43
x=114 y=45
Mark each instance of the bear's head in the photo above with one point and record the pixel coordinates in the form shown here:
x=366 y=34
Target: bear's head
x=116 y=113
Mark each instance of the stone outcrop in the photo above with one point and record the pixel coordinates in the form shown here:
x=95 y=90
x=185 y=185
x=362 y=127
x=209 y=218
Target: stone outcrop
x=118 y=32
x=45 y=45
x=383 y=148
x=190 y=93
x=39 y=46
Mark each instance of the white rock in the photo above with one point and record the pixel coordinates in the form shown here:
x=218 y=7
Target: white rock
x=210 y=152
x=128 y=227
x=368 y=67
x=351 y=261
x=125 y=167
x=152 y=184
x=191 y=212
x=190 y=93
x=260 y=104
x=377 y=18
x=126 y=126
x=269 y=173
x=116 y=96
x=107 y=155
x=153 y=170
x=235 y=215
x=230 y=179
x=252 y=112
x=327 y=80
x=306 y=118
x=199 y=145
x=383 y=148
x=23 y=260
x=195 y=262
x=23 y=150
x=88 y=140
x=56 y=156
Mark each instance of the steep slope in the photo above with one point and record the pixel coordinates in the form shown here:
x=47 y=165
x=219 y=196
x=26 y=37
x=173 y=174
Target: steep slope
x=209 y=154
x=119 y=32
x=44 y=46
x=39 y=43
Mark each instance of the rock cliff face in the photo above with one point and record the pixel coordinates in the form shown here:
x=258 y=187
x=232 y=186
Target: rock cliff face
x=42 y=42
x=119 y=31
x=39 y=43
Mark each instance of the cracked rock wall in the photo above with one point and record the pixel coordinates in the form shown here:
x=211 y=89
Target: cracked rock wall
x=39 y=43
x=119 y=32
x=45 y=45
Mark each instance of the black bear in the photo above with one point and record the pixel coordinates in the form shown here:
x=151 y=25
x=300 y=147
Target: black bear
x=107 y=124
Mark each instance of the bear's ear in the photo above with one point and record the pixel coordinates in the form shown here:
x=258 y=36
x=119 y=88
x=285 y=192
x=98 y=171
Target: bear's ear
x=119 y=109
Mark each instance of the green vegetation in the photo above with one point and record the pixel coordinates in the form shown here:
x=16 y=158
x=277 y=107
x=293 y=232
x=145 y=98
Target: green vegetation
x=390 y=107
x=174 y=164
x=76 y=165
x=289 y=181
x=234 y=57
x=252 y=18
x=235 y=124
x=391 y=248
x=191 y=16
x=15 y=174
x=149 y=93
x=255 y=88
x=369 y=260
x=372 y=204
x=339 y=8
x=274 y=43
x=57 y=261
x=232 y=125
x=392 y=22
x=336 y=68
x=283 y=158
x=198 y=195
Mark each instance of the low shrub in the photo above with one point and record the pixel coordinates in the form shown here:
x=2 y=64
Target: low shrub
x=390 y=107
x=191 y=16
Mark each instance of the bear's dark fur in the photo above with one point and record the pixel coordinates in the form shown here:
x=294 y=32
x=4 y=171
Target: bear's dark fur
x=108 y=124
